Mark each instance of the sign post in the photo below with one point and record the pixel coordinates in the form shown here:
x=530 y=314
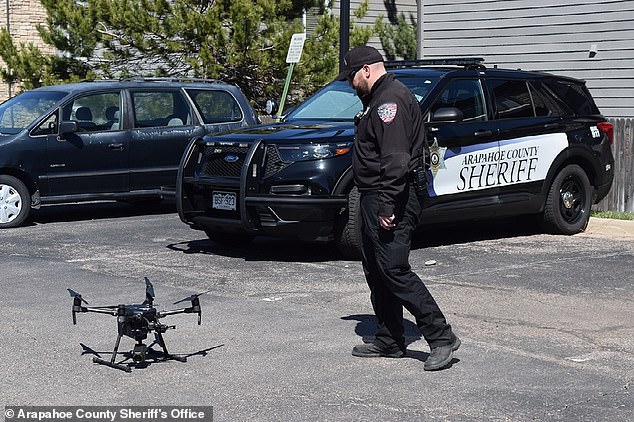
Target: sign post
x=292 y=57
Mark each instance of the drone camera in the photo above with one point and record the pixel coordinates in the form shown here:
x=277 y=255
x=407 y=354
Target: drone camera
x=138 y=354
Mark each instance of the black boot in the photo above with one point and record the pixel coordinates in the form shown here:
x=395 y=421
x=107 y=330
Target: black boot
x=441 y=356
x=373 y=351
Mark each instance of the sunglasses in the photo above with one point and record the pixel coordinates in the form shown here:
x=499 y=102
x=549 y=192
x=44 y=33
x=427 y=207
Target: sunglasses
x=350 y=76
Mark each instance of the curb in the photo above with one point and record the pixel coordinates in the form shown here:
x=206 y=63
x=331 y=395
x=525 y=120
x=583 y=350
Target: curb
x=610 y=227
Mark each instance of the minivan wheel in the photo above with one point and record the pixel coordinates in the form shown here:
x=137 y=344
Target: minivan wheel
x=229 y=239
x=15 y=202
x=567 y=209
x=348 y=227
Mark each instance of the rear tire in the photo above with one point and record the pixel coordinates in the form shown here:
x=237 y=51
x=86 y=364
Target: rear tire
x=348 y=235
x=15 y=202
x=229 y=239
x=567 y=208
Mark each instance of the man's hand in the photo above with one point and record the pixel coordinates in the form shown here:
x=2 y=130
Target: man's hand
x=387 y=223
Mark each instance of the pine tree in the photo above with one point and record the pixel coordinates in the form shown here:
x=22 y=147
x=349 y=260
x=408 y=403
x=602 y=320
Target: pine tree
x=243 y=42
x=398 y=38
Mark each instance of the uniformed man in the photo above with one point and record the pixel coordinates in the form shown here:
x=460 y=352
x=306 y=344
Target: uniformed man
x=389 y=143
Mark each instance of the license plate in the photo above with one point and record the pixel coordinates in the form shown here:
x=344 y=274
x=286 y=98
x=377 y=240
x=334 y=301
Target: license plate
x=223 y=201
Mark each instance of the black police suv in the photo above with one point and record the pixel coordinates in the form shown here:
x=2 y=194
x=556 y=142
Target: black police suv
x=94 y=140
x=502 y=143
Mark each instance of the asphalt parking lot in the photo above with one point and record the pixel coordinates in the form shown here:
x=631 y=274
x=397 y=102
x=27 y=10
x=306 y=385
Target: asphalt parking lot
x=547 y=322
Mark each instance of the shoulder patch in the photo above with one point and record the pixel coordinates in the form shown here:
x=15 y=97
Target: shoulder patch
x=387 y=112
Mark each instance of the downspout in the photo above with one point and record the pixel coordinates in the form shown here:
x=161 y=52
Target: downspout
x=420 y=18
x=344 y=30
x=10 y=84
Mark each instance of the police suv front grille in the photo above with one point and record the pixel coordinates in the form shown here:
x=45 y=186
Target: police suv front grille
x=274 y=162
x=223 y=160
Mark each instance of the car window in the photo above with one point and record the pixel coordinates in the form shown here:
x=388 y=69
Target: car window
x=339 y=101
x=511 y=98
x=574 y=95
x=159 y=108
x=94 y=112
x=47 y=127
x=545 y=104
x=216 y=106
x=466 y=95
x=335 y=101
x=18 y=112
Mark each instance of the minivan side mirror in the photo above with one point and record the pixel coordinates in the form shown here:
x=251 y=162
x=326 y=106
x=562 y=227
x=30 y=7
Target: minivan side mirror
x=447 y=114
x=67 y=127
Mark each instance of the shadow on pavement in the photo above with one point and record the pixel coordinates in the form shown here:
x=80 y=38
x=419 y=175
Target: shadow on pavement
x=99 y=210
x=264 y=248
x=457 y=233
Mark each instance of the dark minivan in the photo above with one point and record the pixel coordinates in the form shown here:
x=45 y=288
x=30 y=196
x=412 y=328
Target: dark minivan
x=502 y=143
x=109 y=139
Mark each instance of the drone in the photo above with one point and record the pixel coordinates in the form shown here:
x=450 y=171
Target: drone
x=137 y=321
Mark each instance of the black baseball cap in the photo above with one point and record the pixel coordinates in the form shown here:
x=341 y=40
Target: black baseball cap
x=356 y=58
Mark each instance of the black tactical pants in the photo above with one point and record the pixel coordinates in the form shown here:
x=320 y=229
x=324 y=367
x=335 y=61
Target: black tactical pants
x=393 y=284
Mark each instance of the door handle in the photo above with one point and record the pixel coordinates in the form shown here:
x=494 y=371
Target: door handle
x=483 y=133
x=552 y=126
x=116 y=147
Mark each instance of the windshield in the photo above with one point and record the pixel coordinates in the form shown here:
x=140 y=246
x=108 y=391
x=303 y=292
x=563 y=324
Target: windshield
x=18 y=112
x=339 y=101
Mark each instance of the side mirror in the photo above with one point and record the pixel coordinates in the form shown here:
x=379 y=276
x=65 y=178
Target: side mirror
x=447 y=114
x=67 y=127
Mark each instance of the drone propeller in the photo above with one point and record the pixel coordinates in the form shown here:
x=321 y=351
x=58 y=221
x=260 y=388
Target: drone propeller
x=195 y=308
x=191 y=298
x=76 y=295
x=149 y=291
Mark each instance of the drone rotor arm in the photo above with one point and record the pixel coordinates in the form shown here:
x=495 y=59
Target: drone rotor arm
x=97 y=310
x=194 y=309
x=103 y=311
x=174 y=312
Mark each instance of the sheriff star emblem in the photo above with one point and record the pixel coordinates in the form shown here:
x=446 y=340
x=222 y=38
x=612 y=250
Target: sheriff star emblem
x=437 y=157
x=387 y=112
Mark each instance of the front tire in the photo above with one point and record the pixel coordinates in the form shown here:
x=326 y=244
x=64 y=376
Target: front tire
x=348 y=228
x=568 y=203
x=15 y=202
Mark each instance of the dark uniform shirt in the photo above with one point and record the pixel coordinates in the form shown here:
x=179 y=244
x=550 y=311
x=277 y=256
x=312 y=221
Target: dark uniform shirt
x=389 y=141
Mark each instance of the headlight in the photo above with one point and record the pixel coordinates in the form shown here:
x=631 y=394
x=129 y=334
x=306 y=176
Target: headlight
x=305 y=152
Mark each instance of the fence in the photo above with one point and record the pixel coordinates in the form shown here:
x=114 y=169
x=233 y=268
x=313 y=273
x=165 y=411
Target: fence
x=621 y=196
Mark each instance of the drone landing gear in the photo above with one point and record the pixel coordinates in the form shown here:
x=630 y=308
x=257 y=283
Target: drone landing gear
x=138 y=354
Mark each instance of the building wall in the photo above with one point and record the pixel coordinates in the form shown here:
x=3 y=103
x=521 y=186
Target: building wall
x=586 y=39
x=22 y=18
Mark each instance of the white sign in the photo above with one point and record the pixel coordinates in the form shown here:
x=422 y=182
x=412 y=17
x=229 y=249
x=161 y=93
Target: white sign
x=296 y=47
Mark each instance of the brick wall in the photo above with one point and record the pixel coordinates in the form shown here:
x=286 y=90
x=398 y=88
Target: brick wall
x=23 y=18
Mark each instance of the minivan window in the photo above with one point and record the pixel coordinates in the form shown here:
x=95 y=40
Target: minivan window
x=216 y=106
x=159 y=108
x=94 y=112
x=47 y=127
x=20 y=111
